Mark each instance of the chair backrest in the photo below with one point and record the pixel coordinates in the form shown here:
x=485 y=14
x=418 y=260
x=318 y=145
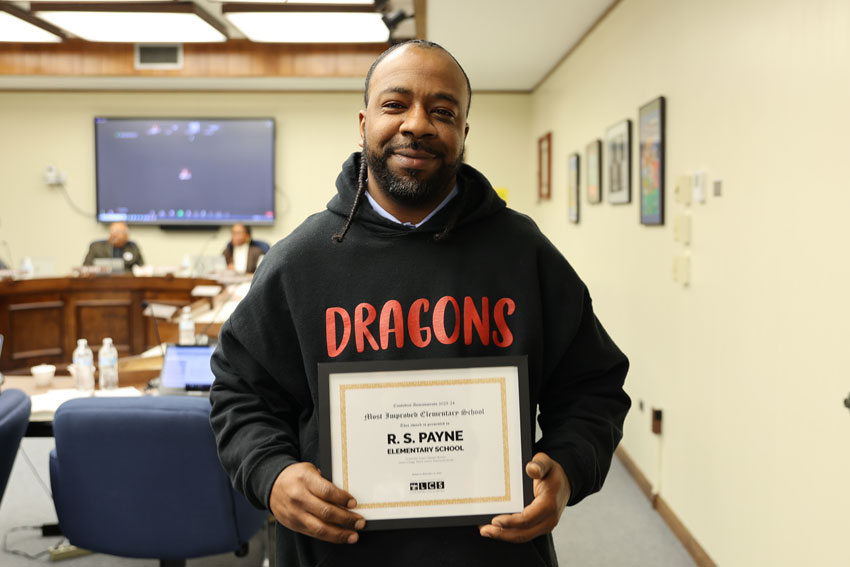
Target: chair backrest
x=140 y=477
x=264 y=246
x=14 y=416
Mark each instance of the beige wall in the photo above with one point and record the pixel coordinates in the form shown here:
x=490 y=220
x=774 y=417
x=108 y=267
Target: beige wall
x=315 y=134
x=750 y=362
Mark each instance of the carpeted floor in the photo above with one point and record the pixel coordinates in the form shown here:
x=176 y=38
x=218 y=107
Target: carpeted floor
x=615 y=528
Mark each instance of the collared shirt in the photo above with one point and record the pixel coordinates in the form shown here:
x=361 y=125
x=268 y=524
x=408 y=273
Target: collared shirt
x=384 y=213
x=240 y=257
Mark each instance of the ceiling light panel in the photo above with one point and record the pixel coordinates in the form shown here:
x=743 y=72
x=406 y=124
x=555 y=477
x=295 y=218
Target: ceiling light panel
x=17 y=30
x=133 y=22
x=310 y=27
x=313 y=2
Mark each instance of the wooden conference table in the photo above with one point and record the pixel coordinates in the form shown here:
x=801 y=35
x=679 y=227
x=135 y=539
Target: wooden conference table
x=42 y=319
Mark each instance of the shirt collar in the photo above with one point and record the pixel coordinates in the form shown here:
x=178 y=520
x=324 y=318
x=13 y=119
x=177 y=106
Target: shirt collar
x=387 y=215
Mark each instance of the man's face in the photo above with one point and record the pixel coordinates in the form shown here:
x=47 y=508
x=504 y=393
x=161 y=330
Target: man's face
x=414 y=126
x=238 y=235
x=118 y=234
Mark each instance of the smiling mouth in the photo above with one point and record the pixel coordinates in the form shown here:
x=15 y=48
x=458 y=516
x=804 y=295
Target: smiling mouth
x=413 y=159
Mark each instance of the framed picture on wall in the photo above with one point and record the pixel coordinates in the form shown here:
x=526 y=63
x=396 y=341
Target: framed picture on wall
x=618 y=154
x=573 y=187
x=651 y=161
x=544 y=166
x=593 y=171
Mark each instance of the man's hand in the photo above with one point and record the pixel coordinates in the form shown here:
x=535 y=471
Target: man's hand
x=551 y=493
x=305 y=502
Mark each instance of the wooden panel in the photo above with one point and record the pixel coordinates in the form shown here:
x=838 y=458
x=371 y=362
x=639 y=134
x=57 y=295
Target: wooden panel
x=101 y=318
x=235 y=58
x=35 y=331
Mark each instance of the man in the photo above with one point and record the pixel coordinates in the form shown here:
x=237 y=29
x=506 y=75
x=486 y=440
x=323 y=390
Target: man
x=241 y=253
x=412 y=225
x=118 y=245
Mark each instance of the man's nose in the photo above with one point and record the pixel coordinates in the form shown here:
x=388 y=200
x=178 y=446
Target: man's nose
x=418 y=123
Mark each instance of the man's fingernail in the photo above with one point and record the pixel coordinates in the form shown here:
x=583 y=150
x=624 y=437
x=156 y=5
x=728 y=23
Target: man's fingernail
x=360 y=524
x=352 y=538
x=485 y=533
x=352 y=503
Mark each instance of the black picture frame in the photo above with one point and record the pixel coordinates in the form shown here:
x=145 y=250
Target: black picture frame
x=544 y=167
x=593 y=172
x=573 y=187
x=618 y=162
x=325 y=370
x=651 y=161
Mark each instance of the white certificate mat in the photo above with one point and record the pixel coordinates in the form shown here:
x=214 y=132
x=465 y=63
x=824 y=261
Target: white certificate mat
x=427 y=442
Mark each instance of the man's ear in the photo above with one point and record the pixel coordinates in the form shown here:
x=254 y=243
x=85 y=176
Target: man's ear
x=465 y=131
x=362 y=118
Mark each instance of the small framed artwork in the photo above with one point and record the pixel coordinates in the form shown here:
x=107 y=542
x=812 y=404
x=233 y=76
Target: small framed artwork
x=593 y=171
x=573 y=187
x=618 y=154
x=651 y=160
x=544 y=166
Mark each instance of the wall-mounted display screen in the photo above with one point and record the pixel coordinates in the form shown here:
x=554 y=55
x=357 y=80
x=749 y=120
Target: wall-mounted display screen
x=185 y=171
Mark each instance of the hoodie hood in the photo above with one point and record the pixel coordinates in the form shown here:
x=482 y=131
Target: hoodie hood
x=476 y=200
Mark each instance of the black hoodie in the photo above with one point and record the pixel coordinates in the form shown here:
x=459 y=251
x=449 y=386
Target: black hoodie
x=492 y=260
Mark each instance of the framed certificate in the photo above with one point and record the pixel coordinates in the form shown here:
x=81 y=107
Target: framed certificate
x=424 y=443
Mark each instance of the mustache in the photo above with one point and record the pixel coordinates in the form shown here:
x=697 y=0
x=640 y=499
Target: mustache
x=417 y=146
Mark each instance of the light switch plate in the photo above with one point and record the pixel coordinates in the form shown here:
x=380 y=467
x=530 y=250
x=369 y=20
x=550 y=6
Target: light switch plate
x=699 y=187
x=682 y=229
x=683 y=190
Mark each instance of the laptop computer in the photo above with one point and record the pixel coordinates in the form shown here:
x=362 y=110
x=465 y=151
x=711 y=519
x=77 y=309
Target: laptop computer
x=112 y=265
x=186 y=368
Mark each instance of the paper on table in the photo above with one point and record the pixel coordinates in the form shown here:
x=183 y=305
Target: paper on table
x=206 y=290
x=45 y=405
x=159 y=310
x=126 y=392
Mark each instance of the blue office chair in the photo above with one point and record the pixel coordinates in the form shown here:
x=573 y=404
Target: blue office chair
x=14 y=416
x=264 y=246
x=140 y=477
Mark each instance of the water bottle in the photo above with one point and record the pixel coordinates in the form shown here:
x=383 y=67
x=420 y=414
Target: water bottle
x=83 y=367
x=186 y=327
x=107 y=360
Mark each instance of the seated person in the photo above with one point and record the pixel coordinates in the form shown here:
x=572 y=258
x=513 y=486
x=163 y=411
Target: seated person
x=118 y=245
x=241 y=253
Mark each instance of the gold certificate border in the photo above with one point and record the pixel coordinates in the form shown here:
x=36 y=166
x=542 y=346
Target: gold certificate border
x=343 y=389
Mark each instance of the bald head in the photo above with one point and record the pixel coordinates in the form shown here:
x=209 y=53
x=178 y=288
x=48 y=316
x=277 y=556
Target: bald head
x=118 y=234
x=417 y=44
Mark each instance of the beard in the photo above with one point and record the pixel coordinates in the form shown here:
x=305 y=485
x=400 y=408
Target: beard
x=410 y=190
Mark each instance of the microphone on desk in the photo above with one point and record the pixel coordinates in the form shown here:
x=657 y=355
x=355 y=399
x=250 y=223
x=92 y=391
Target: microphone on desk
x=145 y=305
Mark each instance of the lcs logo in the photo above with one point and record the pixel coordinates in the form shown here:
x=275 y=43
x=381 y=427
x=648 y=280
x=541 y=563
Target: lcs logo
x=432 y=485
